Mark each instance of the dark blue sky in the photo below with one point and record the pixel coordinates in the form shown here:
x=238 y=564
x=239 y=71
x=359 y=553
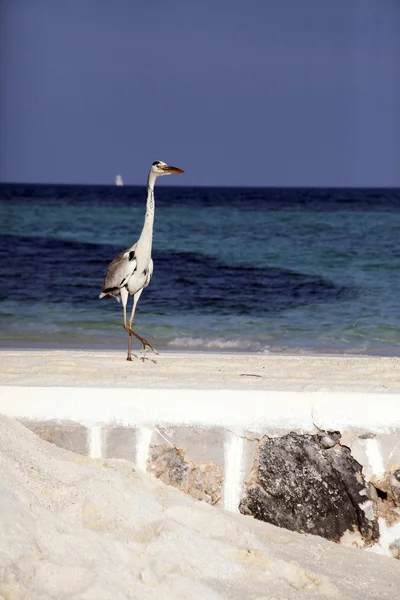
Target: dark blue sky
x=255 y=92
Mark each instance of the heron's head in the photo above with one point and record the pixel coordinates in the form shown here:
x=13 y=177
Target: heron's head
x=161 y=168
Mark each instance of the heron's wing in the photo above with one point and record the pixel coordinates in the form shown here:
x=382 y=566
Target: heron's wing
x=119 y=271
x=149 y=273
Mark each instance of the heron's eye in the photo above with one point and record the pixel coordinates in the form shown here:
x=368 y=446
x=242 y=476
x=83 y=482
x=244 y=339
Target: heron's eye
x=156 y=163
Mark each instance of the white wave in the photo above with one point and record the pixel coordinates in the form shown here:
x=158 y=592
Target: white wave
x=217 y=344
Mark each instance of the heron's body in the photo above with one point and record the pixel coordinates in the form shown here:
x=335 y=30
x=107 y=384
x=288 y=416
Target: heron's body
x=131 y=271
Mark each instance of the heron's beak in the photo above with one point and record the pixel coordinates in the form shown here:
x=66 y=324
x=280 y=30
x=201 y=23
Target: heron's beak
x=171 y=170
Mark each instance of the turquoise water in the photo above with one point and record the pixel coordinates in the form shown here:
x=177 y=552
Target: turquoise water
x=268 y=270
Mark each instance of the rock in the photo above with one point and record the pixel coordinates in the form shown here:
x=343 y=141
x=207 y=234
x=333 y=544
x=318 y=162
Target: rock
x=304 y=483
x=387 y=487
x=395 y=548
x=203 y=481
x=393 y=478
x=387 y=490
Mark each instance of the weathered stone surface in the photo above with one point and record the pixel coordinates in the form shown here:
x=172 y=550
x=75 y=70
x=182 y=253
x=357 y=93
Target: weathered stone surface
x=200 y=444
x=66 y=434
x=393 y=479
x=203 y=481
x=366 y=444
x=387 y=490
x=120 y=442
x=310 y=484
x=395 y=548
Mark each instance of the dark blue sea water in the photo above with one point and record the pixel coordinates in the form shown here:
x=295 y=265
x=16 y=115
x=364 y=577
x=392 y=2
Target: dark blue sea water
x=270 y=270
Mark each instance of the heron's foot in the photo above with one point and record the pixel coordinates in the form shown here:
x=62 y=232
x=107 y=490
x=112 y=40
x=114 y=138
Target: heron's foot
x=146 y=345
x=144 y=342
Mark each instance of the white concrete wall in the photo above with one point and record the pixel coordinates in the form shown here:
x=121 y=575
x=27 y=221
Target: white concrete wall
x=241 y=414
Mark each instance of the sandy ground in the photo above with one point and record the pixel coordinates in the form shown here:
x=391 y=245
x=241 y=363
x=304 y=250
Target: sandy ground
x=207 y=370
x=75 y=527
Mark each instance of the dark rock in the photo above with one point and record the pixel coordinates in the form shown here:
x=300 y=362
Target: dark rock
x=203 y=481
x=304 y=483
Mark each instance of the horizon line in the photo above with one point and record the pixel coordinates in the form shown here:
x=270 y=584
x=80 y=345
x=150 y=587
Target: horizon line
x=276 y=186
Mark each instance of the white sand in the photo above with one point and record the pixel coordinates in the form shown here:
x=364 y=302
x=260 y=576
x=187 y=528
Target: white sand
x=84 y=529
x=174 y=370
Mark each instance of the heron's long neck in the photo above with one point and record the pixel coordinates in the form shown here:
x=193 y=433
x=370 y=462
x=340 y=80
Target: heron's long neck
x=147 y=232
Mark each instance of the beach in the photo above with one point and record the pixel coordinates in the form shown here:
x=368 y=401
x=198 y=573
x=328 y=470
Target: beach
x=205 y=370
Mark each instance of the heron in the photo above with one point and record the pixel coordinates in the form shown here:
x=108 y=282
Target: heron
x=131 y=271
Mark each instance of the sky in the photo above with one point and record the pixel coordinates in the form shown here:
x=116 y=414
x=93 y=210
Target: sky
x=235 y=92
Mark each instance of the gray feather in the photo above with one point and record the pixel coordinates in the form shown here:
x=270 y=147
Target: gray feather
x=119 y=271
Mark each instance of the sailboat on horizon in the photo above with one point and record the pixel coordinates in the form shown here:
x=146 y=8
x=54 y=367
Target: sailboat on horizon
x=118 y=180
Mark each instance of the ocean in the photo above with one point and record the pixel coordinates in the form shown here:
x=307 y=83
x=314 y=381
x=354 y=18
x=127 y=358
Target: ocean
x=268 y=270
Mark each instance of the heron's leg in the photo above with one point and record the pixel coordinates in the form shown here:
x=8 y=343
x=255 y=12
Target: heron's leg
x=129 y=329
x=135 y=301
x=129 y=357
x=144 y=342
x=124 y=300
